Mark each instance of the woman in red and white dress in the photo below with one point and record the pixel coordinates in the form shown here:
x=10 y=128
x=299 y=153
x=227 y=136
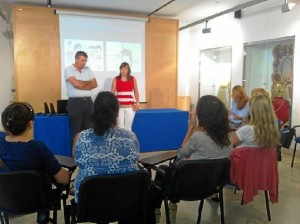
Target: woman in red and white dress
x=125 y=87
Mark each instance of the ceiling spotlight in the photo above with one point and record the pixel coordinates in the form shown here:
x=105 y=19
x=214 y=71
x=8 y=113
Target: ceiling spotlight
x=206 y=30
x=49 y=5
x=287 y=6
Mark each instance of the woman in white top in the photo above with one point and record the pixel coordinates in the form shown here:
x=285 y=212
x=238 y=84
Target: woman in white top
x=261 y=130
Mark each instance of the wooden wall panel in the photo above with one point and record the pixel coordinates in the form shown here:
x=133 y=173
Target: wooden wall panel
x=37 y=58
x=37 y=55
x=161 y=63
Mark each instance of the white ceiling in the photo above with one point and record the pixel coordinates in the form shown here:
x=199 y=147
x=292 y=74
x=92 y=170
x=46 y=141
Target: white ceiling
x=186 y=11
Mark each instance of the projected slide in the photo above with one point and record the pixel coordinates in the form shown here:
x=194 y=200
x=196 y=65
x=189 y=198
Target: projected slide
x=117 y=52
x=94 y=49
x=108 y=42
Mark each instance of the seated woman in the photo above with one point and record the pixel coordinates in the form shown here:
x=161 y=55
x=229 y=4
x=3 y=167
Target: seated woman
x=259 y=91
x=19 y=151
x=208 y=141
x=105 y=149
x=239 y=107
x=262 y=130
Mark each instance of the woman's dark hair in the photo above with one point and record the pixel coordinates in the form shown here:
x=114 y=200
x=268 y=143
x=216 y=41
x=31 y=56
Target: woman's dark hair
x=15 y=117
x=123 y=65
x=213 y=117
x=106 y=109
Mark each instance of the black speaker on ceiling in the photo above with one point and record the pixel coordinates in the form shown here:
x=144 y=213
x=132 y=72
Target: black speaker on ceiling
x=238 y=14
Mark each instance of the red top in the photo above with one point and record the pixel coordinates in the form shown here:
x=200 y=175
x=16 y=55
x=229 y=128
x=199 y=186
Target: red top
x=254 y=169
x=125 y=91
x=282 y=109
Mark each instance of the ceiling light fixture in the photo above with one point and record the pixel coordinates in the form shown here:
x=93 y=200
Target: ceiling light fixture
x=287 y=6
x=206 y=30
x=238 y=7
x=49 y=5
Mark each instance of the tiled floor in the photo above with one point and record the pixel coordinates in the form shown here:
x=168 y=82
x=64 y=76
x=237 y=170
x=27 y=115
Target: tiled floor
x=285 y=212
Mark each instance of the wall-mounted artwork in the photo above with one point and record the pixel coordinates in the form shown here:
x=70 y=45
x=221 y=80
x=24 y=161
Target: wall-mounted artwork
x=269 y=65
x=282 y=76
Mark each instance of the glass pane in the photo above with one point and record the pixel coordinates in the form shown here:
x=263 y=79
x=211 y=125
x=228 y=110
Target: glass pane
x=215 y=73
x=269 y=65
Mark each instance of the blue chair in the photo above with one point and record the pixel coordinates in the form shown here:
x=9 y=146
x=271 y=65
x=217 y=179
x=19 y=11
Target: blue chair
x=297 y=140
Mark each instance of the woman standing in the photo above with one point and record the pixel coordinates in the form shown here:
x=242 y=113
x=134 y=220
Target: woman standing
x=125 y=87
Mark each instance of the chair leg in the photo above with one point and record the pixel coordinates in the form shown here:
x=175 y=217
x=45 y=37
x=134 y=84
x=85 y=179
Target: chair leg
x=222 y=206
x=1 y=218
x=242 y=200
x=6 y=219
x=200 y=211
x=67 y=214
x=73 y=212
x=167 y=211
x=54 y=216
x=67 y=210
x=294 y=153
x=267 y=205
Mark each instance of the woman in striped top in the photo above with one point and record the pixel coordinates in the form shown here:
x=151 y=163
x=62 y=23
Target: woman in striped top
x=125 y=87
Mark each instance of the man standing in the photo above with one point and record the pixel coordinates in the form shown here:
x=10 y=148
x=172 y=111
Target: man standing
x=80 y=81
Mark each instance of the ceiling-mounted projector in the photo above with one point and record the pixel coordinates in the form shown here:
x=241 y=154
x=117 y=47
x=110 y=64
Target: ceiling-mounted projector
x=206 y=30
x=287 y=6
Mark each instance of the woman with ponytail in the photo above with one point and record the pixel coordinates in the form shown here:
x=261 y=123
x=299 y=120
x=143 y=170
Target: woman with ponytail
x=105 y=149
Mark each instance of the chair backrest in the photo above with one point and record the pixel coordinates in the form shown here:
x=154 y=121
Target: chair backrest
x=52 y=109
x=23 y=191
x=287 y=135
x=46 y=108
x=254 y=169
x=112 y=197
x=198 y=179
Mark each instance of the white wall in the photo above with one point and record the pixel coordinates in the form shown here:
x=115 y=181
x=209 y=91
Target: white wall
x=6 y=65
x=227 y=31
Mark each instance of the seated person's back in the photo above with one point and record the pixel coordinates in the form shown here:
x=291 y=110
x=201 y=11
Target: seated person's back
x=210 y=140
x=18 y=150
x=207 y=140
x=105 y=149
x=262 y=130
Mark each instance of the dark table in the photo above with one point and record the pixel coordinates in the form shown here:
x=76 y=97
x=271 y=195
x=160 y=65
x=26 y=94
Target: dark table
x=151 y=161
x=159 y=158
x=67 y=162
